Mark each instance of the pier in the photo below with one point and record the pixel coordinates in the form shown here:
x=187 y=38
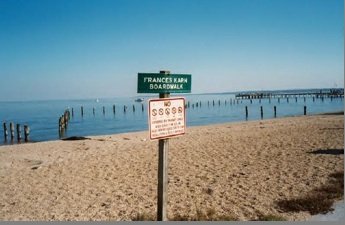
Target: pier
x=331 y=93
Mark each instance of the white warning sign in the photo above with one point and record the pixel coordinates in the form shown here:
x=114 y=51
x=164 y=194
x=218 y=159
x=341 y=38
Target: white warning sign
x=166 y=117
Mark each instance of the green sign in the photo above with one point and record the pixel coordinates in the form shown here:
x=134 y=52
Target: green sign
x=164 y=83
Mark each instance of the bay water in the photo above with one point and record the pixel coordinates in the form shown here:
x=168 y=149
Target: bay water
x=42 y=116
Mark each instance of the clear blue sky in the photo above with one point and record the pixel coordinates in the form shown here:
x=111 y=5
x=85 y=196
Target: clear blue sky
x=87 y=49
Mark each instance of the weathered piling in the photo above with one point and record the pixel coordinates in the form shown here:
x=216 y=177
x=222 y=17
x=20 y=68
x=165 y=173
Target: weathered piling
x=219 y=102
x=12 y=130
x=246 y=112
x=304 y=99
x=197 y=104
x=251 y=101
x=103 y=110
x=60 y=124
x=213 y=102
x=5 y=131
x=26 y=133
x=66 y=118
x=142 y=107
x=133 y=108
x=305 y=110
x=93 y=110
x=188 y=104
x=287 y=99
x=313 y=99
x=114 y=109
x=296 y=99
x=124 y=109
x=275 y=111
x=19 y=131
x=82 y=111
x=72 y=112
x=262 y=112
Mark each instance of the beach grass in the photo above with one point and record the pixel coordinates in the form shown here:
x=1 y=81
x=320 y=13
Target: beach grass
x=320 y=200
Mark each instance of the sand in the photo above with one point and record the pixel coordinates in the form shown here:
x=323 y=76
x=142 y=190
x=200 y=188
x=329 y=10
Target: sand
x=236 y=169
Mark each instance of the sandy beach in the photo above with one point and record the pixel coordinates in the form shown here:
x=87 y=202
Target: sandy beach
x=235 y=169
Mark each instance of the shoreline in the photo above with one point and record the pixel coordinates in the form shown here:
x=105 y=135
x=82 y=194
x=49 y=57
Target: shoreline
x=240 y=170
x=233 y=122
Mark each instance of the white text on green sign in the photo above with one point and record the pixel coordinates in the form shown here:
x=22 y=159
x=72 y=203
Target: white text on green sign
x=162 y=83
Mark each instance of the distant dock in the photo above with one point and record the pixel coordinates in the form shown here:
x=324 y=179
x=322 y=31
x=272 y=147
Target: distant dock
x=322 y=93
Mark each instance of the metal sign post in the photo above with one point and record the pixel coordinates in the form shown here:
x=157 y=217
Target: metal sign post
x=168 y=119
x=163 y=147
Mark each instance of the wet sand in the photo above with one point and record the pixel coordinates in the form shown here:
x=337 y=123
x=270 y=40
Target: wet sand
x=235 y=169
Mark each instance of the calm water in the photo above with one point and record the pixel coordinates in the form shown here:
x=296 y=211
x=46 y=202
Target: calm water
x=42 y=116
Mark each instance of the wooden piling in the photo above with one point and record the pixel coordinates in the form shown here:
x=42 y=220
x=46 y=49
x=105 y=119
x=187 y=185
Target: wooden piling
x=313 y=99
x=82 y=111
x=60 y=124
x=287 y=99
x=246 y=112
x=213 y=102
x=304 y=99
x=65 y=115
x=114 y=109
x=251 y=101
x=219 y=102
x=269 y=100
x=275 y=111
x=262 y=112
x=72 y=112
x=12 y=130
x=5 y=131
x=296 y=99
x=133 y=108
x=305 y=110
x=103 y=110
x=93 y=110
x=19 y=135
x=26 y=133
x=124 y=108
x=142 y=107
x=278 y=100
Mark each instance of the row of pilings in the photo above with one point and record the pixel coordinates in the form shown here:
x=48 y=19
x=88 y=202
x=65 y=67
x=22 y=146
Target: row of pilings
x=18 y=132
